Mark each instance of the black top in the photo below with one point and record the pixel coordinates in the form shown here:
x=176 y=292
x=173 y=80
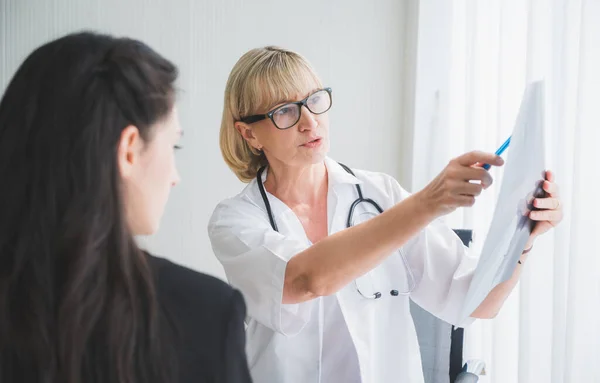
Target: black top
x=208 y=316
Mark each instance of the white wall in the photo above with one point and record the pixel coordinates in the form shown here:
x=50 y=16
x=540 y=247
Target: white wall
x=358 y=47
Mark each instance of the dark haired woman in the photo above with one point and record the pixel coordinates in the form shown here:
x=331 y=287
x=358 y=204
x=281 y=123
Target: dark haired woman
x=87 y=133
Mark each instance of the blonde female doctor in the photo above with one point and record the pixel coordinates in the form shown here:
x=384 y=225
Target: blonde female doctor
x=327 y=257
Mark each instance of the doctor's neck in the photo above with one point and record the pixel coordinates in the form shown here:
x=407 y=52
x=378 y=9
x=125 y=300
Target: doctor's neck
x=297 y=184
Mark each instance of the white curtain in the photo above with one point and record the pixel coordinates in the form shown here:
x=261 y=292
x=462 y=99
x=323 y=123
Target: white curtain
x=474 y=59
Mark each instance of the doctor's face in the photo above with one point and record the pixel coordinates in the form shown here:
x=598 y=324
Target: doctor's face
x=295 y=136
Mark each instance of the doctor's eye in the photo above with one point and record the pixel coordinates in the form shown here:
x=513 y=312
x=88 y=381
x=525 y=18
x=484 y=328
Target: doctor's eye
x=314 y=99
x=286 y=110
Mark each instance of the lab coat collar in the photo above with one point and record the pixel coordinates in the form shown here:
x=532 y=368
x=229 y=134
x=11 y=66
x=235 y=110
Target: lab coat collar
x=336 y=173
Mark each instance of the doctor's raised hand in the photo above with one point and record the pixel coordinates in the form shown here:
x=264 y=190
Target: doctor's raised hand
x=549 y=211
x=452 y=187
x=448 y=191
x=328 y=257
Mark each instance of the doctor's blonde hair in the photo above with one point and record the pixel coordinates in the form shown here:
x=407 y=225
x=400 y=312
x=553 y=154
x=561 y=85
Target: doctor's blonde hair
x=262 y=78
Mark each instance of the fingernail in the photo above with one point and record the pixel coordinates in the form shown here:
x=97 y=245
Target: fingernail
x=499 y=161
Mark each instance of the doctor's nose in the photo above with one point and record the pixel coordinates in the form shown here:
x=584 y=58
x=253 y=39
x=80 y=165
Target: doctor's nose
x=307 y=120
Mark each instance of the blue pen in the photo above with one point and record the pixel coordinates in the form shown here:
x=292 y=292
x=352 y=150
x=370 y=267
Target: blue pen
x=500 y=150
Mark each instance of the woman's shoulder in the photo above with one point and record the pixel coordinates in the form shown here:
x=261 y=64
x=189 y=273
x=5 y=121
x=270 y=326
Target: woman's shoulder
x=206 y=317
x=185 y=287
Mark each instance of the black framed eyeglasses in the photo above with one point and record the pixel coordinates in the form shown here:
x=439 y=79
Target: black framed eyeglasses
x=288 y=115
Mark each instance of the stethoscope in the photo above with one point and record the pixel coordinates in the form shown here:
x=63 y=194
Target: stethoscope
x=359 y=200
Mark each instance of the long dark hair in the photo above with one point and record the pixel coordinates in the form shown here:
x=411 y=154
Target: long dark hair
x=77 y=299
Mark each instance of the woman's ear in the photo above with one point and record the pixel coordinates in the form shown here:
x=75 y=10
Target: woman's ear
x=246 y=132
x=129 y=147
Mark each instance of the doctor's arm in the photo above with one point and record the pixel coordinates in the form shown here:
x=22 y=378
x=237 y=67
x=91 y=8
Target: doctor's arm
x=335 y=261
x=549 y=215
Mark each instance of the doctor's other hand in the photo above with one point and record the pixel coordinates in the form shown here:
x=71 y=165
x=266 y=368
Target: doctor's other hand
x=550 y=209
x=453 y=187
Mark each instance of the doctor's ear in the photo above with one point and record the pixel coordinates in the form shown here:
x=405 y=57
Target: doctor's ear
x=247 y=134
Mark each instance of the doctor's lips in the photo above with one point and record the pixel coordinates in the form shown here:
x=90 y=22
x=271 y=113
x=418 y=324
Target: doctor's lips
x=313 y=143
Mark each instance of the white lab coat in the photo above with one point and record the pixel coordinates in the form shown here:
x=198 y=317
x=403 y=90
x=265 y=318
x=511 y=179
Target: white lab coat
x=285 y=341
